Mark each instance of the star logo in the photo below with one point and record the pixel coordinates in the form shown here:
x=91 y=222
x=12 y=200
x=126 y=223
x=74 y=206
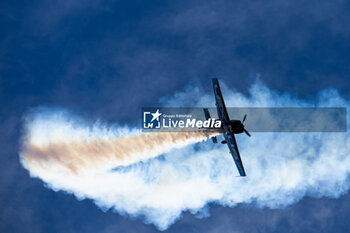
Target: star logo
x=151 y=119
x=155 y=116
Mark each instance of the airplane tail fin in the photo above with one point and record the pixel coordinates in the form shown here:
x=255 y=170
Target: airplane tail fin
x=207 y=116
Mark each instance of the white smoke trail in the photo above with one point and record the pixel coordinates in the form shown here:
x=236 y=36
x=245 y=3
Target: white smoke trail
x=74 y=156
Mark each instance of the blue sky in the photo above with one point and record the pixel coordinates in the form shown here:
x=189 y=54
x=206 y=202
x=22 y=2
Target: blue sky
x=107 y=59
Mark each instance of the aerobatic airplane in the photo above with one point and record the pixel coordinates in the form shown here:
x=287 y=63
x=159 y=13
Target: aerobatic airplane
x=229 y=127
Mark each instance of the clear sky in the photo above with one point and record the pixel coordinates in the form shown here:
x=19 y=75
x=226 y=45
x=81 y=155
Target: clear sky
x=107 y=59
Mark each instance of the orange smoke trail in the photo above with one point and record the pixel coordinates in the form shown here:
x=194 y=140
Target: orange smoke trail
x=101 y=154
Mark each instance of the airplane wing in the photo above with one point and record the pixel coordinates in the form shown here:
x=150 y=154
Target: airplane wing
x=220 y=104
x=232 y=145
x=229 y=136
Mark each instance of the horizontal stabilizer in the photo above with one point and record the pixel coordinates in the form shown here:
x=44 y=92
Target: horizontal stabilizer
x=206 y=113
x=207 y=116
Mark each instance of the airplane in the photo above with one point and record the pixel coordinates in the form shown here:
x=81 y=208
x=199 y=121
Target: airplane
x=229 y=127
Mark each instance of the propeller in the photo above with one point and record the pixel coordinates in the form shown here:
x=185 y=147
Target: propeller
x=246 y=132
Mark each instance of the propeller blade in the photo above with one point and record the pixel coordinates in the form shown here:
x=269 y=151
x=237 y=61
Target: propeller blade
x=245 y=116
x=247 y=133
